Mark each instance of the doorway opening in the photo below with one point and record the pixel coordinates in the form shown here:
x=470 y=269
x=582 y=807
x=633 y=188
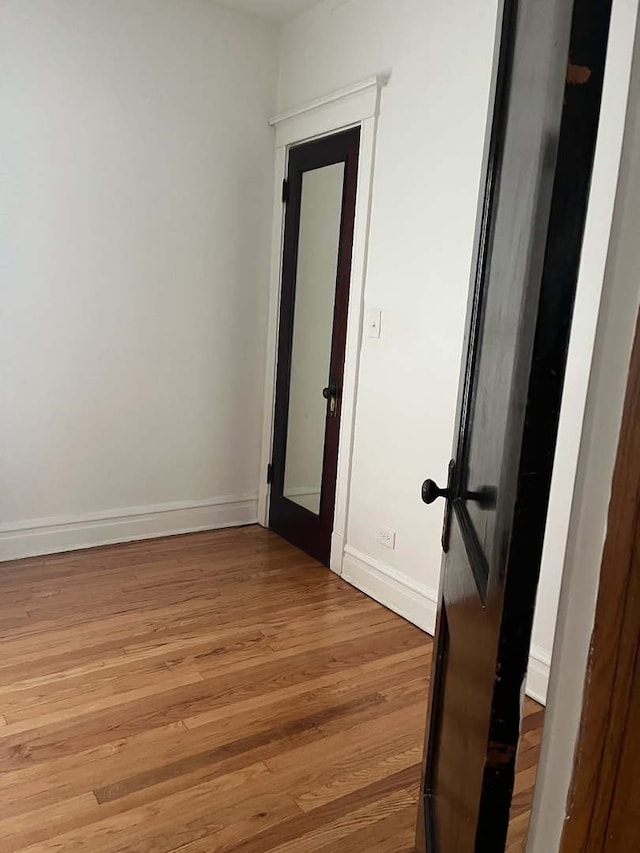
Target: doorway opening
x=320 y=194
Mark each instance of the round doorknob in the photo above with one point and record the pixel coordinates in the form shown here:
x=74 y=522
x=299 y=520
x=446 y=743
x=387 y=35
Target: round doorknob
x=330 y=391
x=431 y=491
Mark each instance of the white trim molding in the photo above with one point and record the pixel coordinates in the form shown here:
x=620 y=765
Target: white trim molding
x=415 y=602
x=70 y=533
x=342 y=108
x=418 y=604
x=538 y=674
x=353 y=106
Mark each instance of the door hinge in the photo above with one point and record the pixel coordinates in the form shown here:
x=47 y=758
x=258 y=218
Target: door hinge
x=269 y=473
x=285 y=191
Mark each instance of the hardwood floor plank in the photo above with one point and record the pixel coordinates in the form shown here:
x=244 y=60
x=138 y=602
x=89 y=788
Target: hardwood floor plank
x=280 y=734
x=211 y=692
x=345 y=677
x=333 y=832
x=177 y=819
x=28 y=731
x=359 y=778
x=244 y=717
x=338 y=817
x=394 y=834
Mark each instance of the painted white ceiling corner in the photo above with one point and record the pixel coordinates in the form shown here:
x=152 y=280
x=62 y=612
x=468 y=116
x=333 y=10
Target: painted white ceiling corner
x=272 y=10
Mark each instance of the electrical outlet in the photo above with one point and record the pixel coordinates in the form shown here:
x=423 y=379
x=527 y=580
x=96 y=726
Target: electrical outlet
x=386 y=537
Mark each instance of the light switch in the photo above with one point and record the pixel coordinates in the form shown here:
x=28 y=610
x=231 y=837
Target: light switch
x=373 y=322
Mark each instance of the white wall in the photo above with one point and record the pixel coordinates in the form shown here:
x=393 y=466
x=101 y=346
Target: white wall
x=426 y=180
x=607 y=386
x=136 y=202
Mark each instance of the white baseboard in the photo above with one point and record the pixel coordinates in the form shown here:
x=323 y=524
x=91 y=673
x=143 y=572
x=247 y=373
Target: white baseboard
x=418 y=604
x=538 y=674
x=415 y=602
x=337 y=553
x=70 y=533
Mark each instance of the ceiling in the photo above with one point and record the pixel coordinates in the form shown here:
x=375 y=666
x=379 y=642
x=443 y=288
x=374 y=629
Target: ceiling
x=274 y=10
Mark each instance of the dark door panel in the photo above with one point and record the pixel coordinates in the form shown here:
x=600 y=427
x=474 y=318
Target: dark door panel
x=530 y=226
x=318 y=241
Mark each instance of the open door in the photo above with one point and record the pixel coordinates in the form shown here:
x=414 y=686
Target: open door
x=547 y=91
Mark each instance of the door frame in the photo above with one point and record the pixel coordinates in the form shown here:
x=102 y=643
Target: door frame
x=615 y=640
x=307 y=528
x=357 y=105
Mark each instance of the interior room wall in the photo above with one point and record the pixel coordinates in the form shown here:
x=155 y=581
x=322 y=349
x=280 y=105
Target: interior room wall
x=426 y=181
x=136 y=202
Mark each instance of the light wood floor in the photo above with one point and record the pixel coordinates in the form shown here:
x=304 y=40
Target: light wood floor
x=213 y=692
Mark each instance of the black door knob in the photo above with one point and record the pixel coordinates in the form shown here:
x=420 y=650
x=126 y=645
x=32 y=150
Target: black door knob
x=331 y=390
x=431 y=491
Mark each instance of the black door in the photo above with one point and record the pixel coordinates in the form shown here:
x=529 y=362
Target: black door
x=531 y=219
x=320 y=193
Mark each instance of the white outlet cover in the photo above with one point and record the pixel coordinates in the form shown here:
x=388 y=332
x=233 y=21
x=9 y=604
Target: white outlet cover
x=387 y=537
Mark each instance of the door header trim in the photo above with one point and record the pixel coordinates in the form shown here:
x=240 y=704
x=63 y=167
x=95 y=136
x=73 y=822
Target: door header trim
x=341 y=108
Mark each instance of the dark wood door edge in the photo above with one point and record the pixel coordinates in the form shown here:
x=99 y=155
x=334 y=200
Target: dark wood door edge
x=615 y=641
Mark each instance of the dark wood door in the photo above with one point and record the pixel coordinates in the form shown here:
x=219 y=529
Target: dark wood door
x=548 y=82
x=623 y=826
x=320 y=194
